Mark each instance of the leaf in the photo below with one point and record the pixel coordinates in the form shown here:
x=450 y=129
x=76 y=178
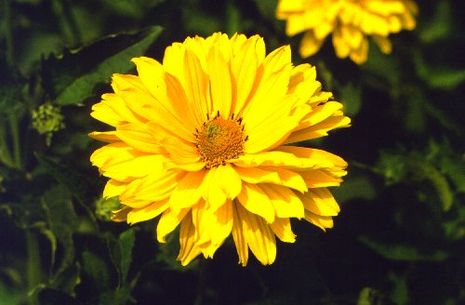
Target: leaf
x=355 y=187
x=351 y=97
x=403 y=252
x=96 y=268
x=400 y=293
x=66 y=176
x=119 y=296
x=122 y=254
x=72 y=78
x=440 y=26
x=11 y=87
x=438 y=77
x=62 y=220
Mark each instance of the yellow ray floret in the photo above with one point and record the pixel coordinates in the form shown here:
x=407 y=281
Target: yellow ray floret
x=350 y=22
x=206 y=141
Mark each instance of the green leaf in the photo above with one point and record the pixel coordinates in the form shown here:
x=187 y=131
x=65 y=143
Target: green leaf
x=66 y=176
x=96 y=268
x=440 y=26
x=438 y=77
x=73 y=77
x=355 y=187
x=119 y=296
x=132 y=8
x=62 y=220
x=351 y=97
x=400 y=292
x=126 y=243
x=403 y=252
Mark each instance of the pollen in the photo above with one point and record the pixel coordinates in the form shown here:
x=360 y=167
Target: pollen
x=220 y=140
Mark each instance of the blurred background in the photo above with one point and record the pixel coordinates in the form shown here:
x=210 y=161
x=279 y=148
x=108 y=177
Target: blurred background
x=400 y=238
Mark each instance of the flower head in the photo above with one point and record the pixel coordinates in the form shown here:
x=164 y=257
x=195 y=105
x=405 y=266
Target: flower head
x=349 y=21
x=206 y=139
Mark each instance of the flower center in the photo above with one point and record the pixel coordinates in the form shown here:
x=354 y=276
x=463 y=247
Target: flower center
x=219 y=140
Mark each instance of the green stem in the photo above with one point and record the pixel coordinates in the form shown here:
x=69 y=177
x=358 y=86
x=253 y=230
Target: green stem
x=8 y=32
x=14 y=126
x=33 y=266
x=65 y=17
x=5 y=155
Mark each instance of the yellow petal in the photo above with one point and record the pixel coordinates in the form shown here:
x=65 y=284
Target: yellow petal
x=155 y=186
x=112 y=154
x=221 y=183
x=113 y=188
x=213 y=227
x=169 y=220
x=321 y=178
x=281 y=227
x=220 y=83
x=319 y=157
x=105 y=136
x=282 y=159
x=238 y=237
x=121 y=214
x=258 y=236
x=137 y=167
x=188 y=250
x=256 y=201
x=148 y=212
x=320 y=202
x=187 y=192
x=319 y=130
x=244 y=65
x=285 y=202
x=137 y=136
x=323 y=222
x=196 y=87
x=310 y=44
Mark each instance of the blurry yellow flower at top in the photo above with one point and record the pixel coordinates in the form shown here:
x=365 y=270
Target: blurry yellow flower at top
x=349 y=21
x=206 y=141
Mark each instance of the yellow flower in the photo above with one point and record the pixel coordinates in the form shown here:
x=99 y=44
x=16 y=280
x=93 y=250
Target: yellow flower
x=206 y=140
x=349 y=21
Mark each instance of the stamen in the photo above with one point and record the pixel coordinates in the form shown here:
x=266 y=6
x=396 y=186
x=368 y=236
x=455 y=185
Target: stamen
x=219 y=140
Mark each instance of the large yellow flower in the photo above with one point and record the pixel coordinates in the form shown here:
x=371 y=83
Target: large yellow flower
x=350 y=22
x=205 y=139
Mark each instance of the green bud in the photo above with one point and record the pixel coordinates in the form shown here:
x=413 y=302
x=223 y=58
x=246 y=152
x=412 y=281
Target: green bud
x=104 y=207
x=47 y=119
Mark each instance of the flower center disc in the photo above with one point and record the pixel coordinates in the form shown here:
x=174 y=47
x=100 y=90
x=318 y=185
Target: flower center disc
x=219 y=140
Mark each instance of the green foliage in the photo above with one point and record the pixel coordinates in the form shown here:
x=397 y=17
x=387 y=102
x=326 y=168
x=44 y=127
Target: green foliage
x=87 y=71
x=399 y=238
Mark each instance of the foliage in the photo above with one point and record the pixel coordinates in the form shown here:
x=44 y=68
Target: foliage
x=399 y=240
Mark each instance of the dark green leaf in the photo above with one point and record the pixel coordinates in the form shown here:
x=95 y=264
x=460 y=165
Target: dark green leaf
x=119 y=296
x=400 y=291
x=350 y=96
x=440 y=26
x=73 y=77
x=126 y=243
x=403 y=252
x=66 y=176
x=62 y=220
x=97 y=269
x=438 y=77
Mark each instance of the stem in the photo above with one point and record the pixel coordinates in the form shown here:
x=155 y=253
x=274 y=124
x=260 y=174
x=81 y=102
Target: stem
x=8 y=32
x=5 y=155
x=68 y=25
x=33 y=266
x=14 y=126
